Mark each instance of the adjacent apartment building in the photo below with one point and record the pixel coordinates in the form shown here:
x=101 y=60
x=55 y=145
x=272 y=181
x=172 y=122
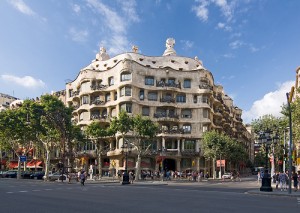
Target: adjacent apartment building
x=177 y=92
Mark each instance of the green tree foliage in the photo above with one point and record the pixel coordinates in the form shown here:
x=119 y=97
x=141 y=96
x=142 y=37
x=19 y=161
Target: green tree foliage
x=100 y=135
x=140 y=129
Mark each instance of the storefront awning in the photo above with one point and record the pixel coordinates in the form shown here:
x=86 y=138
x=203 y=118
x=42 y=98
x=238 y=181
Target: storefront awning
x=13 y=164
x=34 y=164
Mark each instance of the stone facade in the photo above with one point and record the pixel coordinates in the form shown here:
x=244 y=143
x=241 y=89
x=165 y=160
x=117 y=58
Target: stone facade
x=177 y=92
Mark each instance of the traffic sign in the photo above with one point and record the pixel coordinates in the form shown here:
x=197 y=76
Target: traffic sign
x=23 y=158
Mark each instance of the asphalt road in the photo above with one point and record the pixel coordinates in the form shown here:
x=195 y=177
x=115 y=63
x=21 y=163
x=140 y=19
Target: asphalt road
x=22 y=196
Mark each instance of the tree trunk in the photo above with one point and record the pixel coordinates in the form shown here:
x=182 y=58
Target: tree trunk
x=99 y=164
x=47 y=164
x=214 y=168
x=19 y=168
x=138 y=167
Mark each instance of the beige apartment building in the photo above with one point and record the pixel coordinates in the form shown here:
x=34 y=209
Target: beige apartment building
x=177 y=92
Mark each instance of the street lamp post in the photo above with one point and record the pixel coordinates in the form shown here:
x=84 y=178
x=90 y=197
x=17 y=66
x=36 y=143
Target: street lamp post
x=265 y=138
x=126 y=148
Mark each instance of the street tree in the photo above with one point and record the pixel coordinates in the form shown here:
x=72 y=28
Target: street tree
x=214 y=146
x=100 y=134
x=143 y=130
x=16 y=133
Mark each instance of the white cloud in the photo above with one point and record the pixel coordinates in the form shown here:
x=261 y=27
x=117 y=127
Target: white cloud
x=116 y=23
x=128 y=8
x=187 y=44
x=78 y=35
x=227 y=10
x=223 y=26
x=25 y=9
x=201 y=10
x=236 y=44
x=270 y=104
x=229 y=55
x=22 y=7
x=76 y=8
x=26 y=81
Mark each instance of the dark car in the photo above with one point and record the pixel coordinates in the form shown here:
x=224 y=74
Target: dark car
x=2 y=174
x=26 y=174
x=11 y=174
x=37 y=175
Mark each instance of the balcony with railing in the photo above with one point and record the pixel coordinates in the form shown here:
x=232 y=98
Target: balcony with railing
x=74 y=93
x=98 y=86
x=168 y=84
x=167 y=99
x=97 y=102
x=165 y=115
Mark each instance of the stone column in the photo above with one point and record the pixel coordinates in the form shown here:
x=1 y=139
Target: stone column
x=198 y=163
x=182 y=145
x=178 y=167
x=178 y=146
x=163 y=143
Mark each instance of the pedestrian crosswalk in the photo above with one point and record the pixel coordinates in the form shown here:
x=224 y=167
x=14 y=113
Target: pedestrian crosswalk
x=298 y=200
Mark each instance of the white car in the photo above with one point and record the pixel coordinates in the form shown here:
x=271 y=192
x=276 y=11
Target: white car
x=56 y=176
x=226 y=176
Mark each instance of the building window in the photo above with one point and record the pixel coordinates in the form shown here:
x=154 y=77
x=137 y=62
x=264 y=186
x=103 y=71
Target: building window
x=152 y=96
x=85 y=99
x=125 y=91
x=204 y=128
x=115 y=96
x=111 y=81
x=187 y=83
x=149 y=80
x=171 y=81
x=85 y=87
x=187 y=128
x=186 y=113
x=142 y=94
x=127 y=107
x=145 y=111
x=205 y=113
x=195 y=99
x=107 y=97
x=125 y=76
x=204 y=99
x=181 y=98
x=190 y=145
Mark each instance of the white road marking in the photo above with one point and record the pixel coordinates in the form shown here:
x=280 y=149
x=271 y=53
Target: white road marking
x=36 y=190
x=9 y=192
x=23 y=191
x=48 y=189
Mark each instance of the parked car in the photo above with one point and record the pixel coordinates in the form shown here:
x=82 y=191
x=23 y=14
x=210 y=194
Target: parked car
x=37 y=175
x=11 y=174
x=2 y=174
x=56 y=176
x=26 y=174
x=226 y=176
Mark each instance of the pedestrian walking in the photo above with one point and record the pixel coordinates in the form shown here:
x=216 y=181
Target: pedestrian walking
x=131 y=177
x=282 y=181
x=258 y=178
x=295 y=179
x=82 y=178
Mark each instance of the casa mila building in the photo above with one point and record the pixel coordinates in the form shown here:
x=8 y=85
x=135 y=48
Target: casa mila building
x=177 y=92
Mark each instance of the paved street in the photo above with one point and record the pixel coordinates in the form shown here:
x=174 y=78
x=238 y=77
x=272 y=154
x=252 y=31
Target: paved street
x=212 y=196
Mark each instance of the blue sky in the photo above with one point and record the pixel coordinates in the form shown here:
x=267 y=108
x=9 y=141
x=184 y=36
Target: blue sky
x=251 y=46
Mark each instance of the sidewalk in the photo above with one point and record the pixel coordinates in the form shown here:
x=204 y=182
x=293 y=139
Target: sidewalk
x=276 y=192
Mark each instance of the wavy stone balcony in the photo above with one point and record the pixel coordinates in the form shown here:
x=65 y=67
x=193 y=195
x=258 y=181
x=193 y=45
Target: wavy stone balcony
x=166 y=84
